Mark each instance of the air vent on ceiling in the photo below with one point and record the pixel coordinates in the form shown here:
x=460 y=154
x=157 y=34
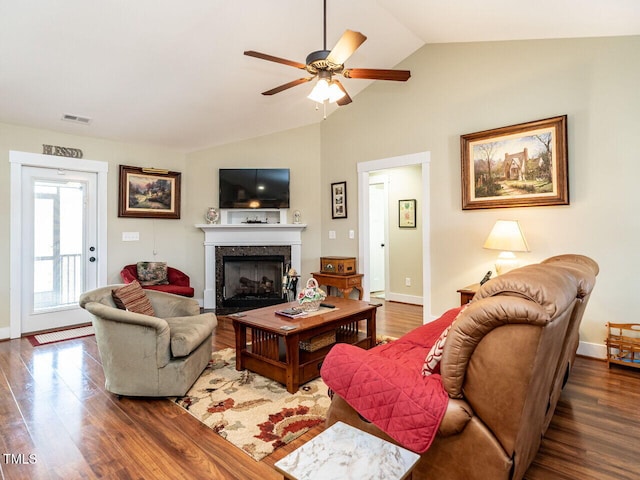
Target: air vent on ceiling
x=76 y=118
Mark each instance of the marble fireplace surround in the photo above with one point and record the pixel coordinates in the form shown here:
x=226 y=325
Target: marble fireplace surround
x=222 y=252
x=258 y=237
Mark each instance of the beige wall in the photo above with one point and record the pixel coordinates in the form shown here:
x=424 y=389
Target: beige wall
x=177 y=242
x=297 y=149
x=463 y=88
x=454 y=89
x=163 y=235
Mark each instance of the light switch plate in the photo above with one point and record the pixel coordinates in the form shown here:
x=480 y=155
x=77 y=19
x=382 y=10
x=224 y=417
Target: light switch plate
x=130 y=236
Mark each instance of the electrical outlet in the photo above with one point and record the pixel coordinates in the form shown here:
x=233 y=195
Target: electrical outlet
x=332 y=234
x=352 y=234
x=407 y=281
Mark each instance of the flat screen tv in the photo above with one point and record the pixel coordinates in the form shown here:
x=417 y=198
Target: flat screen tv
x=254 y=187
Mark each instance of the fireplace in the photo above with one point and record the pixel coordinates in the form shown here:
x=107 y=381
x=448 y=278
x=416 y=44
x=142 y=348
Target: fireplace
x=250 y=277
x=252 y=280
x=228 y=239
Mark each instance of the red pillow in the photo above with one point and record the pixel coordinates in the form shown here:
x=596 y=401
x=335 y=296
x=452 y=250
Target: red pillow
x=432 y=360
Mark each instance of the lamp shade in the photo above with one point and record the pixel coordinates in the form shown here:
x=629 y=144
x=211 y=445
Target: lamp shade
x=506 y=236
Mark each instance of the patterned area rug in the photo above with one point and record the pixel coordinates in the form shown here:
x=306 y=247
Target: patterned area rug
x=254 y=413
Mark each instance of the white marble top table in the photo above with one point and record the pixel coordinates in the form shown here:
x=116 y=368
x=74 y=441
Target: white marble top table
x=343 y=452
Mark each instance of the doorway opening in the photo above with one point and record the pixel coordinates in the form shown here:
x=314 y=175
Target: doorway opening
x=365 y=169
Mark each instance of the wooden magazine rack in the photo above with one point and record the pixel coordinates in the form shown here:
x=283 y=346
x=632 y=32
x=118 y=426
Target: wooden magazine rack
x=623 y=344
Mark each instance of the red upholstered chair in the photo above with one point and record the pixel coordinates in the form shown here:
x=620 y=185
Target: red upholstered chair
x=179 y=283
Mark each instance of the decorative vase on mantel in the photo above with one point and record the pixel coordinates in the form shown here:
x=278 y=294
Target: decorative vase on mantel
x=212 y=215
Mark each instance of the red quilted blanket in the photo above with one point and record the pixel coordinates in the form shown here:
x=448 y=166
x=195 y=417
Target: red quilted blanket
x=385 y=384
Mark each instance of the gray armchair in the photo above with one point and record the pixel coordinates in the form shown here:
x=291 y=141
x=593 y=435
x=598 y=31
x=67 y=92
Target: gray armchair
x=150 y=356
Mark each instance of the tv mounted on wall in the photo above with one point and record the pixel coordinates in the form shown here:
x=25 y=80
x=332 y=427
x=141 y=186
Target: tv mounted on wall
x=254 y=187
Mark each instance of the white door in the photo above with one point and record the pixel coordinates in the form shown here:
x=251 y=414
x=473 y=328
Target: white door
x=377 y=227
x=59 y=246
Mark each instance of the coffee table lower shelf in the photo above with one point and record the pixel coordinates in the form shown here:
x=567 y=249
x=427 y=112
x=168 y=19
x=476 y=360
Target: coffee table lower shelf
x=276 y=354
x=309 y=363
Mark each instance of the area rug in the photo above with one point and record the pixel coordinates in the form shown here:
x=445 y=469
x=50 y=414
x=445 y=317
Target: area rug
x=254 y=413
x=60 y=335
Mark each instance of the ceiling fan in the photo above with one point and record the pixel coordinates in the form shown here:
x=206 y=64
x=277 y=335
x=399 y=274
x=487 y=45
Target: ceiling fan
x=324 y=64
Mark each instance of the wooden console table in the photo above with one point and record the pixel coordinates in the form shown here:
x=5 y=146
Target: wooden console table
x=344 y=283
x=467 y=293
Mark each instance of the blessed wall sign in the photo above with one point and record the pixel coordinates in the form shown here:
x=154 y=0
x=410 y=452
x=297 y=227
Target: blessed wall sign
x=61 y=151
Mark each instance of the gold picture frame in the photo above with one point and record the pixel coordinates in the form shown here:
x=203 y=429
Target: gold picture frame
x=407 y=213
x=524 y=165
x=149 y=193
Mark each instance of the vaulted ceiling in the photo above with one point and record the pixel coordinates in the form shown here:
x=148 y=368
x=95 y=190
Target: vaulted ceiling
x=173 y=73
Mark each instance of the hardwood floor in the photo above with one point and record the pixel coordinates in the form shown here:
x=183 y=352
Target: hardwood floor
x=57 y=421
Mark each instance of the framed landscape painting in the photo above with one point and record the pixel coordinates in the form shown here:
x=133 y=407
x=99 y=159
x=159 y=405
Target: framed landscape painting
x=520 y=165
x=149 y=193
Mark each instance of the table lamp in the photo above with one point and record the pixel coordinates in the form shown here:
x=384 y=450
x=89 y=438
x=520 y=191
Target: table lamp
x=507 y=237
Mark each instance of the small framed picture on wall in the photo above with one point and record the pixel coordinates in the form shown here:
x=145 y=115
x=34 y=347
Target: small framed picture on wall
x=339 y=200
x=407 y=213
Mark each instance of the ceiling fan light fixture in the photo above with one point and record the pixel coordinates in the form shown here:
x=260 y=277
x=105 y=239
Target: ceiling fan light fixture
x=320 y=91
x=335 y=93
x=326 y=91
x=324 y=63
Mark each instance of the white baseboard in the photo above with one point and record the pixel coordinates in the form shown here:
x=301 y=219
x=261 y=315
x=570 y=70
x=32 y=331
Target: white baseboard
x=593 y=350
x=399 y=297
x=5 y=333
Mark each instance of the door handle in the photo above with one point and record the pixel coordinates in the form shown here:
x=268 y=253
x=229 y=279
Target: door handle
x=92 y=259
x=382 y=244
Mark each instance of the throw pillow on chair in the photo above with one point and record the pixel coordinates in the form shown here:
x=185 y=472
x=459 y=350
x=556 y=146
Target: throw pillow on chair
x=132 y=298
x=152 y=273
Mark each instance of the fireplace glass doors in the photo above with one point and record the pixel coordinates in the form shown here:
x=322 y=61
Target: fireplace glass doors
x=252 y=281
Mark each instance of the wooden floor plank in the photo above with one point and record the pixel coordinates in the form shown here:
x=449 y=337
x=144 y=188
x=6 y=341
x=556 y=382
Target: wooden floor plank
x=53 y=404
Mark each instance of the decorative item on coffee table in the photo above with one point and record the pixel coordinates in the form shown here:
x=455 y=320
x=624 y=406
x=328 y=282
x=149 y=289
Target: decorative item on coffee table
x=311 y=296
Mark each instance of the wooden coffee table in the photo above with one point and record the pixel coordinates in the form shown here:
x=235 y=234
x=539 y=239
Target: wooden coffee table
x=274 y=351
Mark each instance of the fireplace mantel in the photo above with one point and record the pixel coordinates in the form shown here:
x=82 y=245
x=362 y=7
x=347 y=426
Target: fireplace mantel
x=246 y=234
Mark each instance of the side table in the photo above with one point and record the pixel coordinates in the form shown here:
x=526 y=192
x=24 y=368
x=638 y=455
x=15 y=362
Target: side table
x=467 y=293
x=344 y=283
x=344 y=452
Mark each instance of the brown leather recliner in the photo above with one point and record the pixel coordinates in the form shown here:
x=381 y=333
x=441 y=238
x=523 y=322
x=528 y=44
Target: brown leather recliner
x=504 y=363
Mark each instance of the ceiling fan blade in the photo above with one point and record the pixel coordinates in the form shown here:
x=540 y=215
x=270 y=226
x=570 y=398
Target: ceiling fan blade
x=286 y=86
x=271 y=58
x=375 y=74
x=348 y=43
x=346 y=100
